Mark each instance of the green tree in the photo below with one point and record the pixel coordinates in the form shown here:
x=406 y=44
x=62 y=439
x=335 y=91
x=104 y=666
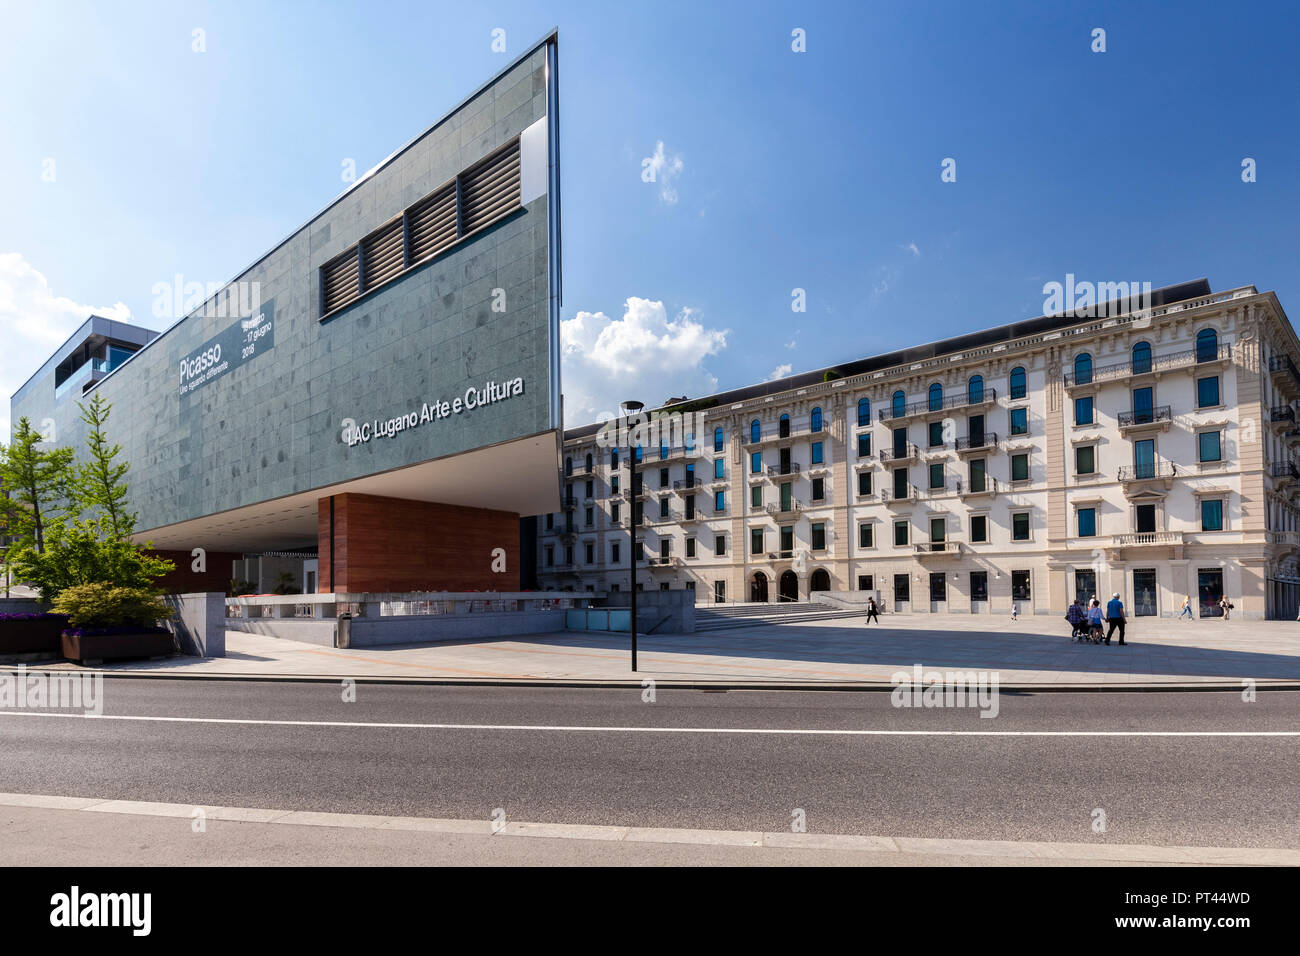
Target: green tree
x=99 y=486
x=36 y=481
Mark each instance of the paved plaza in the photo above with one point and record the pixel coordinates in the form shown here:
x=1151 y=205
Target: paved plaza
x=1032 y=651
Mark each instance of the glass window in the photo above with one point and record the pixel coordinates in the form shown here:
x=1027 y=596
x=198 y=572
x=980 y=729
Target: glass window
x=935 y=397
x=898 y=405
x=1018 y=387
x=979 y=585
x=936 y=434
x=787 y=539
x=864 y=535
x=756 y=496
x=902 y=589
x=819 y=536
x=1020 y=585
x=866 y=582
x=1087 y=522
x=1141 y=358
x=1020 y=526
x=864 y=445
x=975 y=390
x=818 y=489
x=720 y=544
x=979 y=528
x=568 y=467
x=690 y=547
x=717 y=439
x=756 y=541
x=864 y=411
x=755 y=462
x=663 y=477
x=900 y=533
x=755 y=431
x=816 y=453
x=1020 y=421
x=1209 y=446
x=719 y=465
x=783 y=427
x=1144 y=517
x=1085 y=460
x=720 y=501
x=864 y=482
x=1212 y=515
x=1207 y=345
x=1082 y=369
x=1207 y=391
x=978 y=474
x=900 y=483
x=936 y=475
x=1019 y=467
x=613 y=458
x=816 y=419
x=1083 y=410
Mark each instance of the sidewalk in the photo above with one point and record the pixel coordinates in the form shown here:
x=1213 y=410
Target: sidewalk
x=1033 y=652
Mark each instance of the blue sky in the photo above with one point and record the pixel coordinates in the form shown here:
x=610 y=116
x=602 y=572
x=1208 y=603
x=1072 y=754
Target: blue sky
x=817 y=170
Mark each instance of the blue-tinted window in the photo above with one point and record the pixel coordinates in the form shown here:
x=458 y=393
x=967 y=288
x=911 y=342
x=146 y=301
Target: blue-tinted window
x=935 y=397
x=717 y=439
x=1141 y=358
x=1020 y=421
x=975 y=390
x=755 y=431
x=816 y=452
x=1207 y=345
x=719 y=501
x=864 y=411
x=1018 y=387
x=718 y=465
x=1207 y=392
x=755 y=462
x=1087 y=522
x=1082 y=369
x=1209 y=446
x=864 y=445
x=1212 y=515
x=816 y=419
x=898 y=405
x=1083 y=410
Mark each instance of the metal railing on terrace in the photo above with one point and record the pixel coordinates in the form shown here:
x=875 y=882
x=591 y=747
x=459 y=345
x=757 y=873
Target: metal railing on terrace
x=1158 y=363
x=976 y=442
x=1145 y=416
x=1157 y=469
x=982 y=397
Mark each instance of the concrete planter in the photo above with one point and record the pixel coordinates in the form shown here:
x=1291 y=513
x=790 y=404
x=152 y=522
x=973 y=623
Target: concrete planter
x=145 y=642
x=34 y=636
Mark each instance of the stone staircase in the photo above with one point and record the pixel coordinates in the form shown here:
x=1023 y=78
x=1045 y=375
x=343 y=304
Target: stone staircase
x=716 y=618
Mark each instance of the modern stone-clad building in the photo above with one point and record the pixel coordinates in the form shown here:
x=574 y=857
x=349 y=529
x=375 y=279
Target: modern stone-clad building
x=354 y=408
x=1146 y=448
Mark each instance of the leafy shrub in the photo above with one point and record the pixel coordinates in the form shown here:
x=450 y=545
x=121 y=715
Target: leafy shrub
x=104 y=605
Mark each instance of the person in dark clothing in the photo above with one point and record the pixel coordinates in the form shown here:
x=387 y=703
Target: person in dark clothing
x=1115 y=616
x=1077 y=618
x=872 y=610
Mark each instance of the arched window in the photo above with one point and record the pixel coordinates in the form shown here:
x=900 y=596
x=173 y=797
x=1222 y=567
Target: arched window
x=590 y=462
x=1082 y=369
x=975 y=390
x=755 y=431
x=613 y=458
x=1141 y=358
x=864 y=411
x=1207 y=345
x=935 y=397
x=717 y=438
x=568 y=467
x=1018 y=387
x=898 y=405
x=816 y=419
x=639 y=457
x=783 y=429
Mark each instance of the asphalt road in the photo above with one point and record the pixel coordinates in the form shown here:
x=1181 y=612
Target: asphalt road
x=1173 y=790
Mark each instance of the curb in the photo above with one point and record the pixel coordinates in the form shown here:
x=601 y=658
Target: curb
x=1262 y=684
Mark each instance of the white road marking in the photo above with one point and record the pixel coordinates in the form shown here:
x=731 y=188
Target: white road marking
x=579 y=728
x=1043 y=851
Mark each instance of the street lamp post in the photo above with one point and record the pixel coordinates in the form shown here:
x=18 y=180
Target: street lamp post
x=631 y=408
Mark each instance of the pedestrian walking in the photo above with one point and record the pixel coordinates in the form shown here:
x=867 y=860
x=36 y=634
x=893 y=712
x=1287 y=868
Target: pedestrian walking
x=872 y=610
x=1115 y=616
x=1077 y=618
x=1015 y=611
x=1094 y=621
x=1187 y=609
x=1226 y=605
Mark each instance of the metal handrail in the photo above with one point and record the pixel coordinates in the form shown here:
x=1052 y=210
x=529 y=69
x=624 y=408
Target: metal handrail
x=1145 y=416
x=987 y=395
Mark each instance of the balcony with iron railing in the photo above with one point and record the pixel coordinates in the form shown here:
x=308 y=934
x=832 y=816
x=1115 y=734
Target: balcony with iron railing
x=1282 y=416
x=785 y=508
x=776 y=471
x=773 y=434
x=1160 y=363
x=1148 y=471
x=967 y=399
x=888 y=495
x=1143 y=418
x=947 y=547
x=1285 y=375
x=971 y=488
x=897 y=453
x=1285 y=470
x=977 y=443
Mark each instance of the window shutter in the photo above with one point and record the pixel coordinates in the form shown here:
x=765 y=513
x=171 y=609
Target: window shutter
x=433 y=223
x=340 y=285
x=490 y=190
x=383 y=254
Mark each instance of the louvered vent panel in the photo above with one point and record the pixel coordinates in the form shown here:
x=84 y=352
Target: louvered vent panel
x=382 y=254
x=433 y=223
x=490 y=190
x=340 y=280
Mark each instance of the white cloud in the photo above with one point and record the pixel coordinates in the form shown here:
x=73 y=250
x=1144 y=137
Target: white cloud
x=781 y=371
x=666 y=169
x=644 y=356
x=33 y=323
x=911 y=247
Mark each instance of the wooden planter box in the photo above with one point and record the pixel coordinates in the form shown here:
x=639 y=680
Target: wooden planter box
x=153 y=642
x=40 y=636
